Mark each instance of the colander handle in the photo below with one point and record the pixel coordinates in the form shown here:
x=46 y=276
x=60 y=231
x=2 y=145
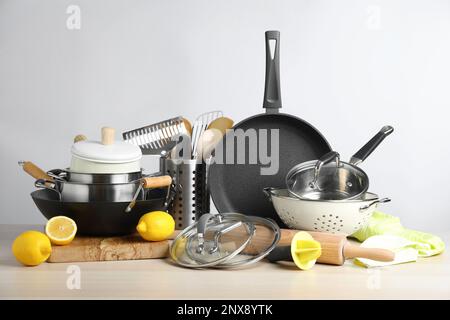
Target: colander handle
x=268 y=192
x=367 y=206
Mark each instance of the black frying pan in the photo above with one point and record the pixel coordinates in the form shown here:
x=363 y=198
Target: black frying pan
x=239 y=187
x=99 y=218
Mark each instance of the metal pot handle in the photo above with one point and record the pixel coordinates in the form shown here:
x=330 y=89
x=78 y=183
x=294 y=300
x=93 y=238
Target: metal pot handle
x=148 y=183
x=58 y=174
x=201 y=228
x=328 y=157
x=367 y=206
x=268 y=192
x=370 y=146
x=47 y=184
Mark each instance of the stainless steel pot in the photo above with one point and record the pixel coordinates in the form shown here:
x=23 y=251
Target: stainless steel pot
x=98 y=192
x=329 y=178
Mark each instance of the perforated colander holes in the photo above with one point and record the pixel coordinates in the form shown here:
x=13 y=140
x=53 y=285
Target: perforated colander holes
x=329 y=223
x=288 y=219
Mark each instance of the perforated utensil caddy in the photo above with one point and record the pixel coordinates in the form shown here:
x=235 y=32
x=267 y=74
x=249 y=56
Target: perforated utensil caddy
x=192 y=197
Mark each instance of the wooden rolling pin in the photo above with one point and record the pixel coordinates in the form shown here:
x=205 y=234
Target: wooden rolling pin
x=335 y=248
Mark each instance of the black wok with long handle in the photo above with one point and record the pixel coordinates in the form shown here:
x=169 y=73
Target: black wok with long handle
x=100 y=218
x=94 y=214
x=238 y=187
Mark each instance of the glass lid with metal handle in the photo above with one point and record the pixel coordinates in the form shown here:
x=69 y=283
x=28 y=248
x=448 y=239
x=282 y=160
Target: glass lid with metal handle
x=266 y=237
x=225 y=240
x=204 y=243
x=329 y=178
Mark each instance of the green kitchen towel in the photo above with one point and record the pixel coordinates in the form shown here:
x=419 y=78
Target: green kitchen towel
x=403 y=248
x=381 y=223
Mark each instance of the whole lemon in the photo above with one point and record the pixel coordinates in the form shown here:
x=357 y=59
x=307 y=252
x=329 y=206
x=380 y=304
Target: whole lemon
x=32 y=248
x=156 y=226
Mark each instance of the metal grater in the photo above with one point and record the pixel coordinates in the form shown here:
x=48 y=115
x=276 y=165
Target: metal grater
x=158 y=137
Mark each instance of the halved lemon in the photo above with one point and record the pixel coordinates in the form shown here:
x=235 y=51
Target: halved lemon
x=61 y=230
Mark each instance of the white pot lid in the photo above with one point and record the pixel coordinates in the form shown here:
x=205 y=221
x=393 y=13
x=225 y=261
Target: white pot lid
x=117 y=152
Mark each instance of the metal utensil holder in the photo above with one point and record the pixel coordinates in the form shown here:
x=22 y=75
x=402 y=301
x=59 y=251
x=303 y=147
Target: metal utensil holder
x=192 y=197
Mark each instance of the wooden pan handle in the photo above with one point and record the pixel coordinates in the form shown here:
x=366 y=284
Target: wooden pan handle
x=157 y=182
x=108 y=135
x=34 y=171
x=352 y=251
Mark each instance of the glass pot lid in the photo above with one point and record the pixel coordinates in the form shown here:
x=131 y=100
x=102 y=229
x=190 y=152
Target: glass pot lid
x=203 y=244
x=327 y=179
x=266 y=237
x=225 y=240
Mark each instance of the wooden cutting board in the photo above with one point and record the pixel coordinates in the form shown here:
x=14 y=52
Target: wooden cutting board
x=84 y=249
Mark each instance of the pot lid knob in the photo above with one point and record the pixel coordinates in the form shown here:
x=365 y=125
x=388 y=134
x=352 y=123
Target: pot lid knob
x=108 y=135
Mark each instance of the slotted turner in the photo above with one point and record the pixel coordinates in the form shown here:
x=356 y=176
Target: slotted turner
x=157 y=137
x=200 y=125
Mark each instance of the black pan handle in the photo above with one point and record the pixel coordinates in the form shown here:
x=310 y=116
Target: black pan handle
x=370 y=146
x=272 y=92
x=281 y=253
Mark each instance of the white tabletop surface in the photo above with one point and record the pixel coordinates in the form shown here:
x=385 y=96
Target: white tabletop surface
x=159 y=279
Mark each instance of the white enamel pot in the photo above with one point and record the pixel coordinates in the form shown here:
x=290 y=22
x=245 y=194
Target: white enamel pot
x=332 y=216
x=105 y=157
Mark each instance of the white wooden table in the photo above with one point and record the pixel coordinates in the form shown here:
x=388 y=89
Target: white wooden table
x=159 y=279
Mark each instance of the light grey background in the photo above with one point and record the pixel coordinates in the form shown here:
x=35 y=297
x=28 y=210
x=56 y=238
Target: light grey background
x=348 y=67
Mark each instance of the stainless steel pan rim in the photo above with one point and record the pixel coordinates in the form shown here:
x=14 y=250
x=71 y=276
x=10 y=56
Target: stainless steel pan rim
x=119 y=192
x=79 y=192
x=67 y=175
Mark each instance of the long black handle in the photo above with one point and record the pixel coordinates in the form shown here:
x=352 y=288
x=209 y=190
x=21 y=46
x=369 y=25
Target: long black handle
x=282 y=253
x=370 y=146
x=272 y=92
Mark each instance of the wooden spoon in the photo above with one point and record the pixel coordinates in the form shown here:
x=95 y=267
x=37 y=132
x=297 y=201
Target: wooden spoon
x=207 y=142
x=222 y=124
